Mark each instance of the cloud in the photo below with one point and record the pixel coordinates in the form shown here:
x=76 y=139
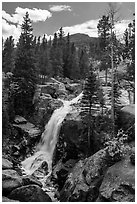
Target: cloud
x=11 y=22
x=34 y=14
x=10 y=29
x=58 y=8
x=90 y=28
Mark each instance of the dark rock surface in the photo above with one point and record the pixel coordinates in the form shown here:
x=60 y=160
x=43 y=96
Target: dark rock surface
x=10 y=180
x=27 y=180
x=127 y=116
x=44 y=107
x=119 y=183
x=29 y=193
x=61 y=171
x=71 y=131
x=85 y=178
x=28 y=129
x=20 y=120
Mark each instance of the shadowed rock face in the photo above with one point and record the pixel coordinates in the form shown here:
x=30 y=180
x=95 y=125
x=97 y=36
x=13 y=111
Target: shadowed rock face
x=127 y=116
x=93 y=180
x=119 y=183
x=129 y=109
x=30 y=193
x=28 y=129
x=126 y=120
x=10 y=181
x=17 y=186
x=85 y=178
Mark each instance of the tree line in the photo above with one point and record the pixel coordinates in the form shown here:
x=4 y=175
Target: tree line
x=59 y=57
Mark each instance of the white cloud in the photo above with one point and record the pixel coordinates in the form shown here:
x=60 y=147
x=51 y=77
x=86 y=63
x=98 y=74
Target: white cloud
x=90 y=28
x=10 y=29
x=58 y=8
x=34 y=14
x=11 y=23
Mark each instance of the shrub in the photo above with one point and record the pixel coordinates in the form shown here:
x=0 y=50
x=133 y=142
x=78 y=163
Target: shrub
x=116 y=147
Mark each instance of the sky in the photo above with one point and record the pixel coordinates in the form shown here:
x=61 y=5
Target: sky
x=74 y=17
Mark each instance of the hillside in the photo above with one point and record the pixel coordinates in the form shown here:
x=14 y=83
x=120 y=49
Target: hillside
x=82 y=40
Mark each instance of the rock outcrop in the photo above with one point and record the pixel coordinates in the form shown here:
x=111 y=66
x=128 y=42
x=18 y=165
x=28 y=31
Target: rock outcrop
x=30 y=193
x=85 y=178
x=26 y=128
x=16 y=187
x=119 y=183
x=10 y=180
x=126 y=120
x=44 y=106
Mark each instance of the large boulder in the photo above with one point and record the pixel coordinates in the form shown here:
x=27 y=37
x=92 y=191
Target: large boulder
x=72 y=128
x=85 y=178
x=74 y=88
x=44 y=107
x=20 y=120
x=61 y=171
x=126 y=118
x=48 y=89
x=6 y=164
x=28 y=129
x=10 y=180
x=54 y=88
x=55 y=104
x=29 y=193
x=119 y=183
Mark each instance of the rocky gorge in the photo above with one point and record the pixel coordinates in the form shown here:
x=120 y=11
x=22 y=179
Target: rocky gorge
x=75 y=176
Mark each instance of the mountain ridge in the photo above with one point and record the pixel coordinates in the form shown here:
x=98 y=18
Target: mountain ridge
x=82 y=40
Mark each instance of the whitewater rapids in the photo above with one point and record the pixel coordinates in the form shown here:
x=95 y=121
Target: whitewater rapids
x=47 y=144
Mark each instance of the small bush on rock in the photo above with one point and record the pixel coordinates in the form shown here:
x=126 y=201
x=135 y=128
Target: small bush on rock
x=116 y=147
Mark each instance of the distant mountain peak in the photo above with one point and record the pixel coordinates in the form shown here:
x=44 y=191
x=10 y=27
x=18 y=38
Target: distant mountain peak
x=81 y=39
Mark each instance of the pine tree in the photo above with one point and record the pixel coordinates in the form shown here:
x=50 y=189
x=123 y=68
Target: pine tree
x=90 y=97
x=73 y=63
x=43 y=57
x=8 y=55
x=126 y=44
x=83 y=63
x=66 y=57
x=112 y=16
x=49 y=42
x=131 y=70
x=61 y=48
x=61 y=40
x=55 y=58
x=25 y=75
x=104 y=35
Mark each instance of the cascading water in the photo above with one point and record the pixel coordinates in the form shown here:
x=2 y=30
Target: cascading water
x=45 y=149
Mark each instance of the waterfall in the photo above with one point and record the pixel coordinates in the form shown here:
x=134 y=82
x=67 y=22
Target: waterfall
x=46 y=146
